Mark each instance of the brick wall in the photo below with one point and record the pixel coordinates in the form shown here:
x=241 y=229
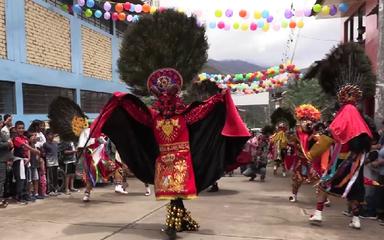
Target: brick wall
x=48 y=37
x=97 y=54
x=3 y=44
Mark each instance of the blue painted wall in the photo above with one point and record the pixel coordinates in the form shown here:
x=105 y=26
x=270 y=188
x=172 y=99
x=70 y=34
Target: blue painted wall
x=15 y=69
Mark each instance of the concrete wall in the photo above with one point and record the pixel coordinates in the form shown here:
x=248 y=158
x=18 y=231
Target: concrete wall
x=43 y=45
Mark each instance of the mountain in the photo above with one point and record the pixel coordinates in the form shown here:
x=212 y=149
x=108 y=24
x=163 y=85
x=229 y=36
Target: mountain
x=230 y=67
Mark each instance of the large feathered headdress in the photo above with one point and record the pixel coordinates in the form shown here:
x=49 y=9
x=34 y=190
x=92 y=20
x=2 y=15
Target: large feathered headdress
x=66 y=119
x=283 y=115
x=307 y=112
x=346 y=73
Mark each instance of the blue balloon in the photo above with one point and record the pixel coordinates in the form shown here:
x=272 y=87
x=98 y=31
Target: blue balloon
x=77 y=9
x=135 y=18
x=132 y=9
x=98 y=14
x=265 y=14
x=260 y=23
x=343 y=7
x=212 y=25
x=90 y=3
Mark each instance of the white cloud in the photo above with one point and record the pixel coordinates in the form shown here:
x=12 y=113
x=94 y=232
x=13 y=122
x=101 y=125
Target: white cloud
x=259 y=47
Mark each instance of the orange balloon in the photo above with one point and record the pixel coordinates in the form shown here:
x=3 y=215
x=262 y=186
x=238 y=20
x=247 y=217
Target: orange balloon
x=292 y=24
x=119 y=7
x=122 y=16
x=243 y=13
x=146 y=8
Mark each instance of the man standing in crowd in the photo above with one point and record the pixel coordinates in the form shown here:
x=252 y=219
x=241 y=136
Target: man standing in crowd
x=5 y=153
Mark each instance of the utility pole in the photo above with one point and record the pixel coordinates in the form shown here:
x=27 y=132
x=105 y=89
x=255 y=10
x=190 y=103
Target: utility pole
x=379 y=113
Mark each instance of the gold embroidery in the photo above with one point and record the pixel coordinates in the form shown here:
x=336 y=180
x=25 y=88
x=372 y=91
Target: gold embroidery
x=174 y=147
x=168 y=128
x=171 y=174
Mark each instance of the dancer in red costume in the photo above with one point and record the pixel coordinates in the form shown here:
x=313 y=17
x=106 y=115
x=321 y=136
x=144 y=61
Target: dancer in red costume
x=346 y=74
x=303 y=170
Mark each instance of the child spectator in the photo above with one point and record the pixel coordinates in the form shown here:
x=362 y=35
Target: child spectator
x=68 y=156
x=50 y=150
x=34 y=163
x=21 y=159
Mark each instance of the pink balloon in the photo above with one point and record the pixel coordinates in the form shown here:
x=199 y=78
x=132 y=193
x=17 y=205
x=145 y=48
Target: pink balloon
x=299 y=13
x=129 y=18
x=276 y=27
x=221 y=25
x=81 y=2
x=253 y=27
x=227 y=27
x=138 y=8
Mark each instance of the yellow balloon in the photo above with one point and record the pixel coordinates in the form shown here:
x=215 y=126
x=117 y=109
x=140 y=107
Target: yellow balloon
x=325 y=10
x=257 y=15
x=153 y=10
x=300 y=24
x=236 y=25
x=266 y=27
x=244 y=26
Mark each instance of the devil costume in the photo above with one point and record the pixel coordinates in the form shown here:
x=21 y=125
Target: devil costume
x=180 y=149
x=344 y=75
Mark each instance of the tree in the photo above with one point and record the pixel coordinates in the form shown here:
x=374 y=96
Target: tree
x=164 y=39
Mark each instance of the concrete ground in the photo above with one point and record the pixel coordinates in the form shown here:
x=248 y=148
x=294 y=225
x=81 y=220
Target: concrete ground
x=241 y=210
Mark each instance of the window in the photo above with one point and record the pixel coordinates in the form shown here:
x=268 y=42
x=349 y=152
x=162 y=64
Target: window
x=93 y=102
x=354 y=27
x=7 y=97
x=36 y=98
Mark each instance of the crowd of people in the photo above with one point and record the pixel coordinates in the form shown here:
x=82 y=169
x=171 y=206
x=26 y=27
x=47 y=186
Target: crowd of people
x=32 y=159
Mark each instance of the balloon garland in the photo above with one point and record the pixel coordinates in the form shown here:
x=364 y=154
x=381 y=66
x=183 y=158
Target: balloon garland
x=256 y=82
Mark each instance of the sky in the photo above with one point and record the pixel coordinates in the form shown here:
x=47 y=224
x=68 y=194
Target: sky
x=263 y=48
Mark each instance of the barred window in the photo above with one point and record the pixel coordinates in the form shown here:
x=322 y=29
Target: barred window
x=36 y=98
x=7 y=97
x=93 y=102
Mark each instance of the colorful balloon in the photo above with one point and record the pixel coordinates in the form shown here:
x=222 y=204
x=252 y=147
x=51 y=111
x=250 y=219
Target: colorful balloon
x=270 y=19
x=260 y=23
x=98 y=14
x=229 y=13
x=119 y=7
x=284 y=24
x=227 y=27
x=236 y=25
x=288 y=14
x=300 y=24
x=212 y=25
x=115 y=16
x=257 y=15
x=152 y=10
x=127 y=6
x=265 y=14
x=325 y=10
x=276 y=27
x=146 y=8
x=88 y=13
x=266 y=27
x=90 y=3
x=244 y=26
x=138 y=8
x=292 y=24
x=218 y=13
x=81 y=3
x=308 y=12
x=243 y=13
x=221 y=25
x=107 y=15
x=129 y=18
x=343 y=7
x=333 y=10
x=107 y=6
x=253 y=27
x=317 y=8
x=122 y=16
x=299 y=13
x=77 y=9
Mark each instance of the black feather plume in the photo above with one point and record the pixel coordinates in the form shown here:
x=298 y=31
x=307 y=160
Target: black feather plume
x=345 y=64
x=267 y=130
x=62 y=113
x=283 y=115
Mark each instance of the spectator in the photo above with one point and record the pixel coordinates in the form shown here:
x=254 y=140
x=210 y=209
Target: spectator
x=22 y=151
x=379 y=164
x=50 y=150
x=7 y=125
x=5 y=154
x=68 y=157
x=38 y=126
x=34 y=163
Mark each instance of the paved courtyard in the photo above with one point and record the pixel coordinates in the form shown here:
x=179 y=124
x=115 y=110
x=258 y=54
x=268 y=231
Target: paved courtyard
x=241 y=210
